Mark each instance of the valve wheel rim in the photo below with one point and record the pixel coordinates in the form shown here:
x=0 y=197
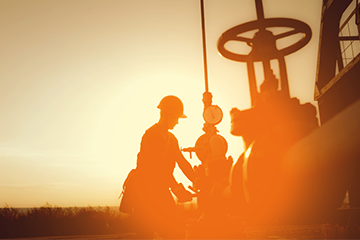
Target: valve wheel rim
x=232 y=35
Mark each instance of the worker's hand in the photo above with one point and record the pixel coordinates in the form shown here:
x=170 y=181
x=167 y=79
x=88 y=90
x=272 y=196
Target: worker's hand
x=198 y=182
x=181 y=193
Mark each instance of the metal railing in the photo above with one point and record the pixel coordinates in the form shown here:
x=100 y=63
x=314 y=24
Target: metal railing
x=349 y=39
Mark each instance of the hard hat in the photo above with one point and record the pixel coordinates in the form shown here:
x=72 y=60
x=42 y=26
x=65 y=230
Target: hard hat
x=172 y=105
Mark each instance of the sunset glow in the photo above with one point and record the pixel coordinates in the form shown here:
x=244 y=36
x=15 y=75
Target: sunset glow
x=81 y=80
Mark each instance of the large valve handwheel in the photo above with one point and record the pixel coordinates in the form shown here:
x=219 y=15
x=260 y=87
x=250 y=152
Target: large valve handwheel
x=232 y=35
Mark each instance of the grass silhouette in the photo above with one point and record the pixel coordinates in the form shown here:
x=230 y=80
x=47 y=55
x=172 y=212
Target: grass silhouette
x=49 y=220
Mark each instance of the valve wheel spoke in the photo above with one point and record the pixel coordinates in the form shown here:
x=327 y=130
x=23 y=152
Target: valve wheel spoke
x=286 y=34
x=241 y=39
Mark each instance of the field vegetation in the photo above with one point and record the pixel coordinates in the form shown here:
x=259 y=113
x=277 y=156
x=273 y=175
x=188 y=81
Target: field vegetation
x=48 y=220
x=51 y=220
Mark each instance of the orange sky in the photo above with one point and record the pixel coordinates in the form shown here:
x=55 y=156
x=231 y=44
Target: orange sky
x=80 y=81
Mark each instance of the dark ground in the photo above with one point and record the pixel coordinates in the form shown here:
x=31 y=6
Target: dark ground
x=249 y=232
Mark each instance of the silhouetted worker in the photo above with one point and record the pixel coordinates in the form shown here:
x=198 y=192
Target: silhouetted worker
x=155 y=209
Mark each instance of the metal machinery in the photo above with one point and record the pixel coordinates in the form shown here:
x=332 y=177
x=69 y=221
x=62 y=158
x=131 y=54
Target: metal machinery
x=214 y=170
x=337 y=87
x=338 y=71
x=292 y=170
x=273 y=124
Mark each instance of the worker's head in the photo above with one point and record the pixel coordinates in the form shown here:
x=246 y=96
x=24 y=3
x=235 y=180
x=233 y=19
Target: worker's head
x=171 y=109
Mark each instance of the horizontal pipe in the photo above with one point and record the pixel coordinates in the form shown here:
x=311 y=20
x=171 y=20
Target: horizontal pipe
x=335 y=143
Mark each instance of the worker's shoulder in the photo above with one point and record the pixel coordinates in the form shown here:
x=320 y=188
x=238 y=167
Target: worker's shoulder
x=154 y=131
x=171 y=135
x=173 y=139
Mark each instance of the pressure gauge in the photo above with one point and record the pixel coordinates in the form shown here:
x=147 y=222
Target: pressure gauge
x=213 y=114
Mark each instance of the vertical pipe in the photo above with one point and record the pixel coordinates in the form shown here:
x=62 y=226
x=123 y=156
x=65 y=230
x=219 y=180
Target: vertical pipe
x=339 y=59
x=283 y=77
x=259 y=9
x=252 y=81
x=357 y=12
x=204 y=45
x=267 y=68
x=260 y=16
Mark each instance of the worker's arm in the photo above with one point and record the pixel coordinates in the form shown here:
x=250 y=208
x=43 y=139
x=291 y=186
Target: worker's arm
x=180 y=192
x=186 y=167
x=173 y=182
x=179 y=158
